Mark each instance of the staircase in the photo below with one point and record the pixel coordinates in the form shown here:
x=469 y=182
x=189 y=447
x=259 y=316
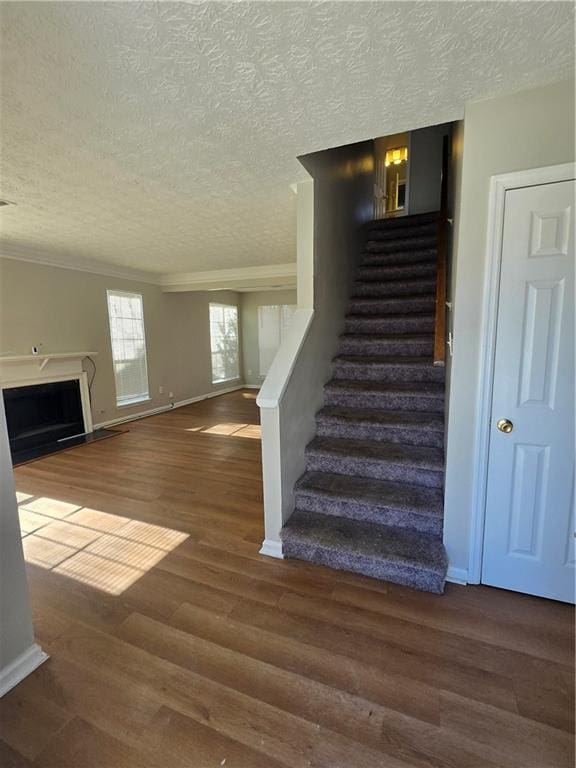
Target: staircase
x=371 y=499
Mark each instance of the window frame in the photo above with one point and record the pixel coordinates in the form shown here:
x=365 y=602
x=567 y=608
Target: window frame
x=213 y=352
x=143 y=397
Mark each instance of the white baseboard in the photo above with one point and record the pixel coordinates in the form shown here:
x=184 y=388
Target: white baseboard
x=169 y=407
x=251 y=386
x=457 y=576
x=21 y=667
x=272 y=549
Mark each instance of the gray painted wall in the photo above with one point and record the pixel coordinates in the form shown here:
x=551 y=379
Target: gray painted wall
x=66 y=310
x=527 y=129
x=16 y=633
x=425 y=168
x=343 y=201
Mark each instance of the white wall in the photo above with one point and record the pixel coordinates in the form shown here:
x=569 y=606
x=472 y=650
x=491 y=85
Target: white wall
x=19 y=653
x=342 y=202
x=524 y=130
x=249 y=303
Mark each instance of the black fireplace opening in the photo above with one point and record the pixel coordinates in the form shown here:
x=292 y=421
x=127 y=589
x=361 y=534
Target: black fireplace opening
x=41 y=414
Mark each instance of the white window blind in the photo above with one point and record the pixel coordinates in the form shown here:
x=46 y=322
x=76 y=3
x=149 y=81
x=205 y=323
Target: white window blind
x=224 y=342
x=273 y=323
x=126 y=315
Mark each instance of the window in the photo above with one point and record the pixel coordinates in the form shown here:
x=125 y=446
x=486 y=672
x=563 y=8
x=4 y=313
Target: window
x=224 y=342
x=273 y=323
x=126 y=315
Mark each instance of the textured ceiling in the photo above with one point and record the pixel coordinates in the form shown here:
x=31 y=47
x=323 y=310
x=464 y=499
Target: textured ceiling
x=162 y=136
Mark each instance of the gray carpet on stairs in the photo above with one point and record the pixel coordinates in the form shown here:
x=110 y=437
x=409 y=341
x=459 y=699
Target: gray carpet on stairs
x=371 y=500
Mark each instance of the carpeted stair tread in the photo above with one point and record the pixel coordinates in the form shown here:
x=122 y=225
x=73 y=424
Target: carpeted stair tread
x=399 y=395
x=392 y=272
x=386 y=344
x=411 y=455
x=424 y=229
x=387 y=368
x=399 y=258
x=402 y=221
x=394 y=288
x=428 y=388
x=369 y=305
x=362 y=498
x=413 y=322
x=384 y=426
x=401 y=244
x=399 y=419
x=383 y=552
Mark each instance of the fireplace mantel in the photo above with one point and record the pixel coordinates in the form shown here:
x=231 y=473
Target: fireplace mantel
x=47 y=367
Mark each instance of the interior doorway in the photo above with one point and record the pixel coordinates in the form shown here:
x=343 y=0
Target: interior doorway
x=391 y=177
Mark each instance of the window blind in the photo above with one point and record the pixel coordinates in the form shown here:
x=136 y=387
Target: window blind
x=224 y=342
x=273 y=323
x=126 y=315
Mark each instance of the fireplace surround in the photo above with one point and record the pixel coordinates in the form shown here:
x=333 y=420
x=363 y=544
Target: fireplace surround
x=47 y=400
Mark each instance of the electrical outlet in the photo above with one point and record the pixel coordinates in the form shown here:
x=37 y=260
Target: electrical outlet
x=160 y=390
x=249 y=373
x=171 y=395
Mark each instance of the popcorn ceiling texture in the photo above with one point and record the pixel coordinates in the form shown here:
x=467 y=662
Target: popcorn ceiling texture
x=163 y=136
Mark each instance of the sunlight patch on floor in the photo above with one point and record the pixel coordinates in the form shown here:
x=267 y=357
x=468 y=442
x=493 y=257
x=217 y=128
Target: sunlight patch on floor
x=230 y=430
x=105 y=551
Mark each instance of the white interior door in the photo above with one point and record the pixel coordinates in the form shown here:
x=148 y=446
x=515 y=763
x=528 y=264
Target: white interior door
x=529 y=525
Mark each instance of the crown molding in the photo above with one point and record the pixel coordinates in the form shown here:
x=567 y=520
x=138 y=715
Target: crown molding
x=269 y=276
x=16 y=253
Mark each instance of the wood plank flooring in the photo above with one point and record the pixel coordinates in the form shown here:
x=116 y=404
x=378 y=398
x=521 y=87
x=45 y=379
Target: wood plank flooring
x=173 y=643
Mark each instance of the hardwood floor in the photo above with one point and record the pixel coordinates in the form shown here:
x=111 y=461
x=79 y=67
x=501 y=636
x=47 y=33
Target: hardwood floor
x=173 y=643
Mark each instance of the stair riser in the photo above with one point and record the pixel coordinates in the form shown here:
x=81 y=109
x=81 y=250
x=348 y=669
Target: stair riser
x=380 y=402
x=393 y=572
x=397 y=347
x=400 y=244
x=382 y=434
x=366 y=371
x=389 y=325
x=380 y=470
x=418 y=230
x=401 y=518
x=394 y=289
x=404 y=272
x=384 y=306
x=401 y=258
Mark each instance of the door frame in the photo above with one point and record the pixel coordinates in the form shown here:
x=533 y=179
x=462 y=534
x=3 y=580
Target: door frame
x=499 y=185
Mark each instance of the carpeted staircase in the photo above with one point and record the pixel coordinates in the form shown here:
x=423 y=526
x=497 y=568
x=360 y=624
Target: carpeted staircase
x=371 y=498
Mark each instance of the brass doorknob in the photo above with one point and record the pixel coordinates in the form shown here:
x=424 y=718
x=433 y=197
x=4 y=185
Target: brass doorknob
x=505 y=425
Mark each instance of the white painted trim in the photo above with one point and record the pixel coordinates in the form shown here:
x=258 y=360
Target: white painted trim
x=457 y=576
x=499 y=185
x=252 y=386
x=21 y=667
x=272 y=548
x=276 y=381
x=169 y=407
x=222 y=279
x=243 y=279
x=81 y=377
x=46 y=356
x=91 y=266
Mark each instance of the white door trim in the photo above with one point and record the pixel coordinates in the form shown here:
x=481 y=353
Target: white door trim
x=499 y=185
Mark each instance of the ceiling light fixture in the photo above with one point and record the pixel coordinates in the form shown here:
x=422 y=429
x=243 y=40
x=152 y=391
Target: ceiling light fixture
x=396 y=156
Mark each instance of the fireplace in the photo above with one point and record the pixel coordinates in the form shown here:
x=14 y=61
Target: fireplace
x=40 y=414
